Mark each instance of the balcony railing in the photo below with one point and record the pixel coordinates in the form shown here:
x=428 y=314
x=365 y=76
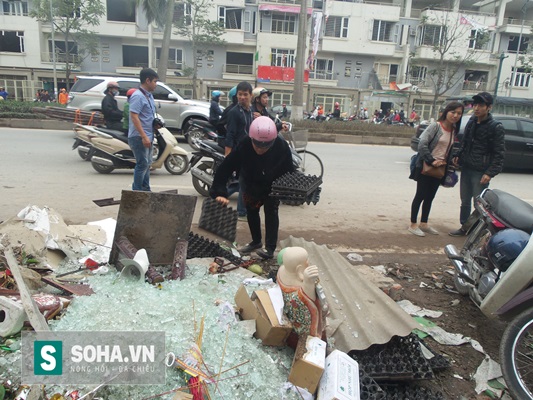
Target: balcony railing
x=171 y=64
x=239 y=69
x=61 y=57
x=475 y=86
x=321 y=75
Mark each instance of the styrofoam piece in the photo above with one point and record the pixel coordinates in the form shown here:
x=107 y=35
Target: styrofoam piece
x=135 y=269
x=12 y=317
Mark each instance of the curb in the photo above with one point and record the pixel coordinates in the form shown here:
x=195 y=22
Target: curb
x=313 y=136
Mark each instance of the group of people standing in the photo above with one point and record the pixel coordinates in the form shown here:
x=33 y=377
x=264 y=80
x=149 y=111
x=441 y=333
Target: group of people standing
x=480 y=156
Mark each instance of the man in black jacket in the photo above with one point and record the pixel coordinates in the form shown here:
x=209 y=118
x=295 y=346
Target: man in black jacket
x=481 y=155
x=112 y=115
x=260 y=159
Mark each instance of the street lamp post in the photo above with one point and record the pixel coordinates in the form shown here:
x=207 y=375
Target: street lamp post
x=513 y=72
x=53 y=49
x=502 y=57
x=297 y=99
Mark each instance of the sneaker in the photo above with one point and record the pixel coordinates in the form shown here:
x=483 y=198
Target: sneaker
x=266 y=254
x=416 y=231
x=242 y=218
x=458 y=232
x=429 y=229
x=250 y=247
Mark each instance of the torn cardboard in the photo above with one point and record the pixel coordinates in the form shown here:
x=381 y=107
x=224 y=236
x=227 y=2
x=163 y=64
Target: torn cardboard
x=308 y=364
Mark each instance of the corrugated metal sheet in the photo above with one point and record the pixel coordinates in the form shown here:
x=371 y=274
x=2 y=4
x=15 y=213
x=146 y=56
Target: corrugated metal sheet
x=366 y=315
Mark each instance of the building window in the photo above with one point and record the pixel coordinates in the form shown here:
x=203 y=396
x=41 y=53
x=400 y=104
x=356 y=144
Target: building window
x=478 y=39
x=282 y=58
x=250 y=22
x=120 y=10
x=239 y=63
x=336 y=27
x=417 y=75
x=12 y=41
x=230 y=18
x=135 y=56
x=283 y=23
x=182 y=13
x=322 y=69
x=382 y=31
x=521 y=77
x=15 y=7
x=61 y=51
x=175 y=58
x=432 y=35
x=512 y=47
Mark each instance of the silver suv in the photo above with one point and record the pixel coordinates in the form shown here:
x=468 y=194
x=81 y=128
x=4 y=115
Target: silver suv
x=88 y=92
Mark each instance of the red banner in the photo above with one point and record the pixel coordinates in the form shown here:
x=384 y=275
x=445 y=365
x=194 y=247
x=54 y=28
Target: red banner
x=267 y=73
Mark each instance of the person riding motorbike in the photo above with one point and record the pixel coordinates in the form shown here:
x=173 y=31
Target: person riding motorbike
x=260 y=97
x=337 y=110
x=126 y=112
x=214 y=110
x=112 y=114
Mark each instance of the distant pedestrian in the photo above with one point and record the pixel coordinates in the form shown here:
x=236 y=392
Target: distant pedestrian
x=63 y=96
x=3 y=93
x=45 y=97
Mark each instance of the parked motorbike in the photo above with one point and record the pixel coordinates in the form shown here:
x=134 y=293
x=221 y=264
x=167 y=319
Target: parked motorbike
x=200 y=129
x=110 y=150
x=495 y=268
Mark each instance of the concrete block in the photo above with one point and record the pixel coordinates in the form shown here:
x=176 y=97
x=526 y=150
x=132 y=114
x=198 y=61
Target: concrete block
x=12 y=317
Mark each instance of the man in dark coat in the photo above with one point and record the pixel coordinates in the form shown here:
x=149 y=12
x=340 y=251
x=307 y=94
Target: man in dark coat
x=481 y=156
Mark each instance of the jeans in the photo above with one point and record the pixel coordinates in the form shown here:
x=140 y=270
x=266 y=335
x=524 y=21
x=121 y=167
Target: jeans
x=426 y=189
x=271 y=206
x=238 y=188
x=143 y=159
x=470 y=188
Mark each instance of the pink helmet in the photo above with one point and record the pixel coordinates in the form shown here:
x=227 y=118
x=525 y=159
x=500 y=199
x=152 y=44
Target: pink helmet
x=263 y=131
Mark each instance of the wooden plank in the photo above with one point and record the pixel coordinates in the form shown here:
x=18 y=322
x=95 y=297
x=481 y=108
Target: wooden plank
x=37 y=320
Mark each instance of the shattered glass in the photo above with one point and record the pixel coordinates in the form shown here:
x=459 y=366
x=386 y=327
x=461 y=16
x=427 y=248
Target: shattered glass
x=249 y=370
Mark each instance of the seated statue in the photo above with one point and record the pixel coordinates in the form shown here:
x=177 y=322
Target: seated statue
x=298 y=281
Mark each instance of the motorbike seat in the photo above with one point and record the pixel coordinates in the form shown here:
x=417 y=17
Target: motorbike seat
x=510 y=209
x=203 y=124
x=214 y=145
x=116 y=134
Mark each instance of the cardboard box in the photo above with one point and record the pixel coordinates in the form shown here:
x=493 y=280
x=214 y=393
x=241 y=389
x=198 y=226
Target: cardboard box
x=308 y=364
x=340 y=380
x=259 y=307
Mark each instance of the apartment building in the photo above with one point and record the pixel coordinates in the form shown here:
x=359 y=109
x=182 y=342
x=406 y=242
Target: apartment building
x=377 y=55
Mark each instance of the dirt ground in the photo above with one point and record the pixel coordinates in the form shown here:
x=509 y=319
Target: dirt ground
x=415 y=260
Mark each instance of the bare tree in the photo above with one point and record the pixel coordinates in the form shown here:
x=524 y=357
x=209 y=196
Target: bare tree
x=73 y=20
x=193 y=24
x=456 y=42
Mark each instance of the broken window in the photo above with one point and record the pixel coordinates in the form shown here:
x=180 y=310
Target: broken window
x=282 y=58
x=512 y=47
x=135 y=56
x=182 y=13
x=230 y=18
x=417 y=75
x=478 y=39
x=121 y=10
x=322 y=69
x=283 y=23
x=175 y=58
x=336 y=27
x=12 y=41
x=15 y=7
x=61 y=51
x=382 y=31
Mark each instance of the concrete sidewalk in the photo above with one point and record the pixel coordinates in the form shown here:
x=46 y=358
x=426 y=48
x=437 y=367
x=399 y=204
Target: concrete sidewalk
x=313 y=136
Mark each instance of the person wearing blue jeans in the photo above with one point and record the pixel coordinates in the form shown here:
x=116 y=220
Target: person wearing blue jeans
x=140 y=131
x=481 y=156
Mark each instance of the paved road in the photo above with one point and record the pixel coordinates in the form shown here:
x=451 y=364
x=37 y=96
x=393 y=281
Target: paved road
x=365 y=188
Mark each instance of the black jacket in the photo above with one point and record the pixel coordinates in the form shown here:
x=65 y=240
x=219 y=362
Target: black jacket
x=238 y=126
x=257 y=171
x=214 y=111
x=110 y=109
x=264 y=112
x=483 y=146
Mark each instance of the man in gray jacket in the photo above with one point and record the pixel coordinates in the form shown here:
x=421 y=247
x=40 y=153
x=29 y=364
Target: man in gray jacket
x=481 y=155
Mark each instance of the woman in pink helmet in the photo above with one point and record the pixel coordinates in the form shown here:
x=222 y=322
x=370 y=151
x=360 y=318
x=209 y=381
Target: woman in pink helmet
x=260 y=159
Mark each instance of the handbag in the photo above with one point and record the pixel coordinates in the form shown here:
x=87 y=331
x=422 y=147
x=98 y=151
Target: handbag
x=434 y=172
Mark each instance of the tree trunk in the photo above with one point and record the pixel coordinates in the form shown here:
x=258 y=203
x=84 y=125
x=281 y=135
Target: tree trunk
x=163 y=58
